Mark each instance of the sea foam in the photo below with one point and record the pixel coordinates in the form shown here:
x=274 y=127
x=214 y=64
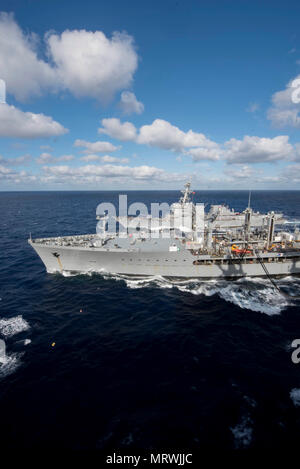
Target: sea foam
x=256 y=294
x=242 y=432
x=11 y=363
x=12 y=326
x=247 y=293
x=295 y=396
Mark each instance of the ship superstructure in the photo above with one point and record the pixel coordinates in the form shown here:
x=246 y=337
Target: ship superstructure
x=186 y=242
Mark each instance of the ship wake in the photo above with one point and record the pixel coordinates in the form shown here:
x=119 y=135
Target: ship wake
x=255 y=294
x=10 y=364
x=252 y=293
x=9 y=327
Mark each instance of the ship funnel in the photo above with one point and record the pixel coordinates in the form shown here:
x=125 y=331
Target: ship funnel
x=2 y=352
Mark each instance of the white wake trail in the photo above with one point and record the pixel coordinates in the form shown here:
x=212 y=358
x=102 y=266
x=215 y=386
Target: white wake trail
x=255 y=294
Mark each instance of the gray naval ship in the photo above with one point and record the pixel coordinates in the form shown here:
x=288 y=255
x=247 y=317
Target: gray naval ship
x=187 y=242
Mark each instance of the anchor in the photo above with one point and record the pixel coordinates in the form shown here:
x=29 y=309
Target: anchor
x=55 y=254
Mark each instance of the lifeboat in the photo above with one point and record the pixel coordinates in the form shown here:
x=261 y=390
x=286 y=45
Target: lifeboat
x=237 y=250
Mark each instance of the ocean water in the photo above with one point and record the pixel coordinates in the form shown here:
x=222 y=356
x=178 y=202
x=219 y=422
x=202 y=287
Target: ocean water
x=108 y=362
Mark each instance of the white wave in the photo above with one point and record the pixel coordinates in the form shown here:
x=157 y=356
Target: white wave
x=146 y=282
x=295 y=396
x=68 y=273
x=256 y=294
x=253 y=293
x=10 y=364
x=242 y=432
x=12 y=326
x=266 y=300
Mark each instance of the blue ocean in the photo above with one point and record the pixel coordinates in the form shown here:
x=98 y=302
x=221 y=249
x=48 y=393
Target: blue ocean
x=102 y=362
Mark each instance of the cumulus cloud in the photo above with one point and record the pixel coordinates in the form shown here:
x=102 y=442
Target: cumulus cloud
x=84 y=62
x=129 y=104
x=285 y=108
x=25 y=74
x=201 y=154
x=95 y=147
x=104 y=159
x=258 y=150
x=92 y=173
x=15 y=177
x=18 y=124
x=90 y=64
x=125 y=131
x=164 y=135
x=48 y=158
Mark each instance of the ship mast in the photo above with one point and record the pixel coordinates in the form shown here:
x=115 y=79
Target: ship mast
x=186 y=193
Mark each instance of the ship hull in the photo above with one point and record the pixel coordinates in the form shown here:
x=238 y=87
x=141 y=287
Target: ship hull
x=167 y=264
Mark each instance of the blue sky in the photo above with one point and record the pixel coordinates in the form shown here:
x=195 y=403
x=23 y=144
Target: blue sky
x=114 y=94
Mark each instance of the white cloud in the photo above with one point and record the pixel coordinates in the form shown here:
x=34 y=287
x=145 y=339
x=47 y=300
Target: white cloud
x=241 y=172
x=85 y=63
x=89 y=158
x=104 y=159
x=201 y=154
x=44 y=158
x=284 y=117
x=15 y=177
x=18 y=124
x=92 y=173
x=95 y=147
x=25 y=74
x=284 y=111
x=85 y=175
x=292 y=173
x=258 y=150
x=5 y=171
x=90 y=64
x=162 y=134
x=129 y=104
x=113 y=159
x=48 y=158
x=65 y=158
x=125 y=131
x=19 y=160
